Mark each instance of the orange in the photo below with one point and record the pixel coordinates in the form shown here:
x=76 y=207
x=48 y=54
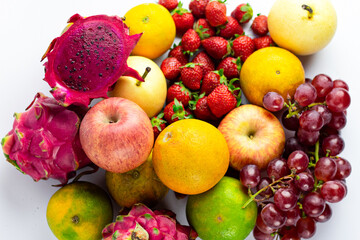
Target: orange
x=271 y=69
x=79 y=211
x=157 y=27
x=190 y=156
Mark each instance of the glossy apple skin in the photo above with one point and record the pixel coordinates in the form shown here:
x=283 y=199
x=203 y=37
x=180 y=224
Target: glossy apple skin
x=254 y=136
x=116 y=135
x=291 y=27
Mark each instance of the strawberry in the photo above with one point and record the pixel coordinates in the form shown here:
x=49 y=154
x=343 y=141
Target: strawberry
x=260 y=25
x=178 y=53
x=191 y=75
x=183 y=19
x=203 y=29
x=190 y=41
x=180 y=92
x=262 y=42
x=158 y=124
x=221 y=100
x=216 y=47
x=231 y=28
x=171 y=68
x=243 y=13
x=201 y=109
x=169 y=4
x=175 y=111
x=243 y=46
x=215 y=13
x=231 y=67
x=212 y=80
x=205 y=62
x=197 y=7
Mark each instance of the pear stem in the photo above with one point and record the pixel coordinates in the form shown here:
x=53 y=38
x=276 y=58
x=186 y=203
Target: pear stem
x=147 y=70
x=309 y=9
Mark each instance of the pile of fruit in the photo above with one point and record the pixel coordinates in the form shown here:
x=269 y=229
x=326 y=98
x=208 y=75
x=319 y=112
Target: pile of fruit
x=183 y=126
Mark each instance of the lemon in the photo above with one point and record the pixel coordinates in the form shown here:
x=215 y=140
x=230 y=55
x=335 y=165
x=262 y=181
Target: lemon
x=157 y=27
x=271 y=69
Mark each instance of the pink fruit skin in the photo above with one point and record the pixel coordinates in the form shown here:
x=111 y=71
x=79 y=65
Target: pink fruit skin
x=87 y=59
x=44 y=142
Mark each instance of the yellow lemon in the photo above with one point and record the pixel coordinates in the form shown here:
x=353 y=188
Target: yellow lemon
x=157 y=27
x=271 y=69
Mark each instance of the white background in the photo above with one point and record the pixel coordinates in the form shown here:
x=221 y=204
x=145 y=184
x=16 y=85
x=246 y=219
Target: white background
x=27 y=28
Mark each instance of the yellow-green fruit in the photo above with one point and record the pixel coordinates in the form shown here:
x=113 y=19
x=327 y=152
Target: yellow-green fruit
x=79 y=211
x=218 y=213
x=140 y=185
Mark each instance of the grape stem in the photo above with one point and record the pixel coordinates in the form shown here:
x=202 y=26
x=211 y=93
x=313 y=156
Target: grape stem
x=253 y=196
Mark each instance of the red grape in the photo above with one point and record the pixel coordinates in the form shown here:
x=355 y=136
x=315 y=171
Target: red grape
x=250 y=175
x=263 y=227
x=343 y=168
x=304 y=181
x=305 y=94
x=273 y=101
x=306 y=227
x=325 y=215
x=338 y=100
x=338 y=121
x=325 y=169
x=333 y=191
x=333 y=144
x=298 y=160
x=272 y=216
x=311 y=120
x=313 y=204
x=285 y=199
x=259 y=235
x=277 y=168
x=340 y=84
x=308 y=138
x=323 y=84
x=292 y=144
x=263 y=183
x=324 y=112
x=292 y=216
x=291 y=123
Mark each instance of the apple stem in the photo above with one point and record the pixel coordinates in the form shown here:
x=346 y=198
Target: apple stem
x=252 y=197
x=147 y=70
x=309 y=9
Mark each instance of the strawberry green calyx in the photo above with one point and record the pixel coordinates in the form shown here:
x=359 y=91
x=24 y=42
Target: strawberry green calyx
x=201 y=31
x=191 y=65
x=179 y=10
x=223 y=79
x=234 y=88
x=158 y=120
x=238 y=63
x=249 y=13
x=179 y=111
x=196 y=97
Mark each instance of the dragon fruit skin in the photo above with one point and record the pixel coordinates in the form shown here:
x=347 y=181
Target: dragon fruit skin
x=157 y=225
x=88 y=58
x=44 y=142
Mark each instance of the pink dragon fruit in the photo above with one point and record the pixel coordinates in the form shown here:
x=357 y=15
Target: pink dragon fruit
x=44 y=142
x=88 y=58
x=143 y=224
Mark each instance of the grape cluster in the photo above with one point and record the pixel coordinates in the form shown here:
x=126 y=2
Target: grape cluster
x=295 y=191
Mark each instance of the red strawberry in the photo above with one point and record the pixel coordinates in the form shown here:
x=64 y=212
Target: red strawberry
x=203 y=29
x=243 y=13
x=212 y=80
x=201 y=109
x=262 y=42
x=180 y=92
x=191 y=75
x=231 y=28
x=171 y=68
x=243 y=47
x=221 y=101
x=197 y=7
x=215 y=13
x=178 y=53
x=169 y=4
x=260 y=25
x=205 y=62
x=183 y=19
x=190 y=41
x=175 y=111
x=158 y=124
x=216 y=47
x=231 y=67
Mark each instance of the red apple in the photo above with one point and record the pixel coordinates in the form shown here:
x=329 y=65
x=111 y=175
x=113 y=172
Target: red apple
x=254 y=136
x=116 y=134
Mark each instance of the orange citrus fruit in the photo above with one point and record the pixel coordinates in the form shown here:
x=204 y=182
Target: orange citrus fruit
x=79 y=211
x=190 y=156
x=271 y=69
x=157 y=27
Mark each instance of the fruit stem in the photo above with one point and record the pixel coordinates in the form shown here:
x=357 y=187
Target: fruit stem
x=253 y=196
x=317 y=151
x=309 y=9
x=147 y=70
